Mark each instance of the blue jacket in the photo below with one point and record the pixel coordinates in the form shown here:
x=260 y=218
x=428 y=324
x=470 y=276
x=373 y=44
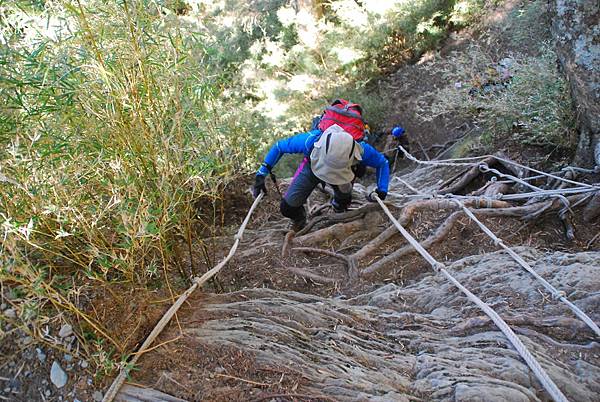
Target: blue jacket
x=303 y=144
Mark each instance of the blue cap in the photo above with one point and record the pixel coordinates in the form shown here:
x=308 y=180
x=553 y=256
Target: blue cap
x=397 y=131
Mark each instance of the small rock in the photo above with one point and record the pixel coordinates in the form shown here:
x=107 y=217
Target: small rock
x=10 y=313
x=27 y=340
x=7 y=390
x=97 y=395
x=68 y=358
x=65 y=330
x=40 y=355
x=14 y=384
x=47 y=392
x=84 y=364
x=57 y=375
x=3 y=306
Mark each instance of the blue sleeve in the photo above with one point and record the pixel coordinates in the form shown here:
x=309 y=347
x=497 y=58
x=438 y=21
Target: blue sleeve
x=298 y=144
x=373 y=158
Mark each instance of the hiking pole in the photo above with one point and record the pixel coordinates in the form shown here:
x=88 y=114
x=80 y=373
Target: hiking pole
x=274 y=179
x=197 y=282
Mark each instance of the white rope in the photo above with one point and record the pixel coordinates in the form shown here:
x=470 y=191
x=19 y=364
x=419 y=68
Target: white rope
x=578 y=183
x=452 y=162
x=556 y=294
x=485 y=168
x=118 y=382
x=559 y=295
x=533 y=364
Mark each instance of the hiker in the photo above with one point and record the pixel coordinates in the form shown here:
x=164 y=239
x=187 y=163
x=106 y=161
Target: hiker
x=333 y=151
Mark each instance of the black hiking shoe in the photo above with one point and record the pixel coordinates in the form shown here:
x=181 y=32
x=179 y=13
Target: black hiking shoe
x=298 y=225
x=337 y=208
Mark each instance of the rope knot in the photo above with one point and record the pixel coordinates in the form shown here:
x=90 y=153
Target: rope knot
x=483 y=167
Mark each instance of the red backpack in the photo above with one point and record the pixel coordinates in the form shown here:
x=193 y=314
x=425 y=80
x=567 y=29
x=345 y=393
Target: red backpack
x=346 y=115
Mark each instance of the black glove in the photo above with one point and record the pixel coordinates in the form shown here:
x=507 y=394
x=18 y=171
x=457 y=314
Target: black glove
x=380 y=194
x=259 y=185
x=359 y=170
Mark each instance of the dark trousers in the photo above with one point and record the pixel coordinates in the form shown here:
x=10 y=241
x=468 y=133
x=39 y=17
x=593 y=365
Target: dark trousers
x=303 y=184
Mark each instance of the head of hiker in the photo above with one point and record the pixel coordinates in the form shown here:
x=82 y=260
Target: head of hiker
x=334 y=154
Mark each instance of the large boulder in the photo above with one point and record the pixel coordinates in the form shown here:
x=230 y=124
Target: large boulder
x=576 y=29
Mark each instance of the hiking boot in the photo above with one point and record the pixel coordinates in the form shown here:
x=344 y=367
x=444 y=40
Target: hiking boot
x=298 y=225
x=337 y=207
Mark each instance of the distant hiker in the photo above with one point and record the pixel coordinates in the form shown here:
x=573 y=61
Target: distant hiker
x=334 y=152
x=400 y=139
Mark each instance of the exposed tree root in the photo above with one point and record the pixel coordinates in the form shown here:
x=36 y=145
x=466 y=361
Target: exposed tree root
x=495 y=209
x=351 y=262
x=339 y=231
x=287 y=242
x=526 y=211
x=465 y=177
x=440 y=234
x=592 y=210
x=408 y=212
x=312 y=276
x=340 y=217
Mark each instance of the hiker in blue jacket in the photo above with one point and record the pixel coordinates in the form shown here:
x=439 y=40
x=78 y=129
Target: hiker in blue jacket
x=330 y=156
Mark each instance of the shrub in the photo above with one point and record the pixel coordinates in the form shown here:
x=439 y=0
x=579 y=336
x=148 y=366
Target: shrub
x=533 y=106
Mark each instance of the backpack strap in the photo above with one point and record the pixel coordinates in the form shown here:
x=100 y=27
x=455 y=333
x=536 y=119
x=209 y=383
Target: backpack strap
x=343 y=123
x=352 y=150
x=345 y=112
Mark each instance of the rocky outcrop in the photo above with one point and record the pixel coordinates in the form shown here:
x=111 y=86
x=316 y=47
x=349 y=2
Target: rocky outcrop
x=424 y=341
x=576 y=30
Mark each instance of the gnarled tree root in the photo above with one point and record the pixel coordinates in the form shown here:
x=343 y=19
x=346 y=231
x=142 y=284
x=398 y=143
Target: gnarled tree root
x=312 y=276
x=408 y=212
x=350 y=262
x=440 y=234
x=444 y=229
